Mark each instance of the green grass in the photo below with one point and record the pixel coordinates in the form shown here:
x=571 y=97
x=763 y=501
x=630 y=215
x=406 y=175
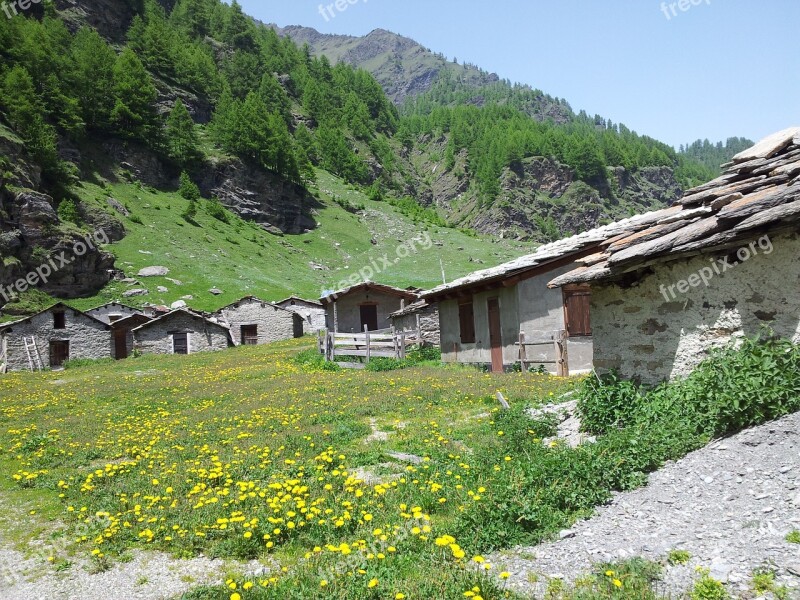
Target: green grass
x=241 y=258
x=152 y=453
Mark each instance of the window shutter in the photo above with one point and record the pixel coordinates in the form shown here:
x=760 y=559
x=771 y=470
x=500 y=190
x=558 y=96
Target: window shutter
x=466 y=321
x=577 y=312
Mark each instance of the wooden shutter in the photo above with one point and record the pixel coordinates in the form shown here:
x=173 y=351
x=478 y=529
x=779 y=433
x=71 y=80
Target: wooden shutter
x=466 y=321
x=180 y=343
x=577 y=311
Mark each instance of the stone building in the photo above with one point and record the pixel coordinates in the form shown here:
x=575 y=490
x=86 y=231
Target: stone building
x=419 y=316
x=255 y=322
x=181 y=332
x=51 y=337
x=482 y=315
x=367 y=305
x=312 y=312
x=720 y=265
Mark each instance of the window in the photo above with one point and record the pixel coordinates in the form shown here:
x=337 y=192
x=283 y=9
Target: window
x=180 y=343
x=250 y=335
x=59 y=320
x=577 y=311
x=114 y=318
x=466 y=321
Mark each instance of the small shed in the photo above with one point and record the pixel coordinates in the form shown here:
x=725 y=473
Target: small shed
x=254 y=322
x=122 y=334
x=181 y=332
x=311 y=311
x=366 y=305
x=419 y=316
x=51 y=337
x=720 y=265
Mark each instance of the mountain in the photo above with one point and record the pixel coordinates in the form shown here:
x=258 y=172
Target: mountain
x=201 y=140
x=403 y=67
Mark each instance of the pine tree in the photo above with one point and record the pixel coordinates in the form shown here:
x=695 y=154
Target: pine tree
x=134 y=114
x=25 y=110
x=181 y=138
x=92 y=78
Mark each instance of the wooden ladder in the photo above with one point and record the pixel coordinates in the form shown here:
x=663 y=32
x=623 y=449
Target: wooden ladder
x=34 y=361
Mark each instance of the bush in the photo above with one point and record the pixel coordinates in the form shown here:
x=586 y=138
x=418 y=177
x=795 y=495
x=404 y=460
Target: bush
x=68 y=211
x=606 y=403
x=216 y=210
x=188 y=188
x=313 y=360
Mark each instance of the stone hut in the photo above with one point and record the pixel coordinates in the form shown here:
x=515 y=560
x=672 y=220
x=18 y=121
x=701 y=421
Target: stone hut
x=367 y=305
x=181 y=332
x=419 y=316
x=720 y=265
x=311 y=311
x=255 y=322
x=51 y=337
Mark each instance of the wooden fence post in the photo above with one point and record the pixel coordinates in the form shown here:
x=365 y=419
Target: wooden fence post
x=332 y=346
x=562 y=354
x=523 y=352
x=403 y=344
x=419 y=331
x=366 y=333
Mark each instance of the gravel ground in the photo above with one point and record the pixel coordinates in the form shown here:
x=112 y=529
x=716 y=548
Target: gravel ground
x=148 y=576
x=730 y=505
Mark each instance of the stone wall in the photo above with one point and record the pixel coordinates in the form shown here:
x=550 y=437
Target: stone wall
x=204 y=336
x=274 y=323
x=428 y=321
x=313 y=315
x=87 y=338
x=647 y=334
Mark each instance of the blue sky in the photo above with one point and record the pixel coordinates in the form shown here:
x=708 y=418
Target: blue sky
x=718 y=69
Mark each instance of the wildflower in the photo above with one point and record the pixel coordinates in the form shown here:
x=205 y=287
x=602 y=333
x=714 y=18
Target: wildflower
x=505 y=575
x=372 y=582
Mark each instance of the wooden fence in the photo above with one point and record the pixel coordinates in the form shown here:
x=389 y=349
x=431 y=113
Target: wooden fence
x=386 y=343
x=556 y=340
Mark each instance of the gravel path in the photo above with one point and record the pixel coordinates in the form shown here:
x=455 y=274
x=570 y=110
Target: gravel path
x=730 y=505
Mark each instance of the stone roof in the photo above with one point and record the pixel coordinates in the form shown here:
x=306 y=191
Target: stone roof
x=759 y=192
x=367 y=286
x=252 y=299
x=297 y=299
x=549 y=253
x=58 y=305
x=186 y=311
x=411 y=309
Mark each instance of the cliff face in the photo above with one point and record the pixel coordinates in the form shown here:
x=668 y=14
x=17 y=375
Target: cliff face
x=34 y=241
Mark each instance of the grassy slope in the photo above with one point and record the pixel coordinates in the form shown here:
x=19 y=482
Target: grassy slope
x=240 y=258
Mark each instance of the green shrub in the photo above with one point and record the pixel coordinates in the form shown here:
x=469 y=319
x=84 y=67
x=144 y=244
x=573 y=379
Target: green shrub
x=68 y=211
x=136 y=219
x=606 y=403
x=188 y=188
x=708 y=588
x=216 y=210
x=313 y=360
x=793 y=537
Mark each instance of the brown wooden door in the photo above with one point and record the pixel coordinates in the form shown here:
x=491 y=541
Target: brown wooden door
x=59 y=354
x=250 y=335
x=369 y=317
x=495 y=335
x=121 y=344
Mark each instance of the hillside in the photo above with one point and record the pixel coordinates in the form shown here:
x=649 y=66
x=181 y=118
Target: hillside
x=116 y=104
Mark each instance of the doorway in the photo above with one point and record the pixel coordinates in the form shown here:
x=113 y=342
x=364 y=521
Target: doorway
x=59 y=354
x=369 y=317
x=121 y=344
x=495 y=335
x=249 y=335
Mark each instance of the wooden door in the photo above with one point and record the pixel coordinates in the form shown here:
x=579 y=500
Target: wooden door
x=369 y=317
x=121 y=344
x=249 y=335
x=495 y=335
x=59 y=354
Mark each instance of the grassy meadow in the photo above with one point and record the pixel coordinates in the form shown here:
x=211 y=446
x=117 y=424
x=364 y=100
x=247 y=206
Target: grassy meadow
x=249 y=454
